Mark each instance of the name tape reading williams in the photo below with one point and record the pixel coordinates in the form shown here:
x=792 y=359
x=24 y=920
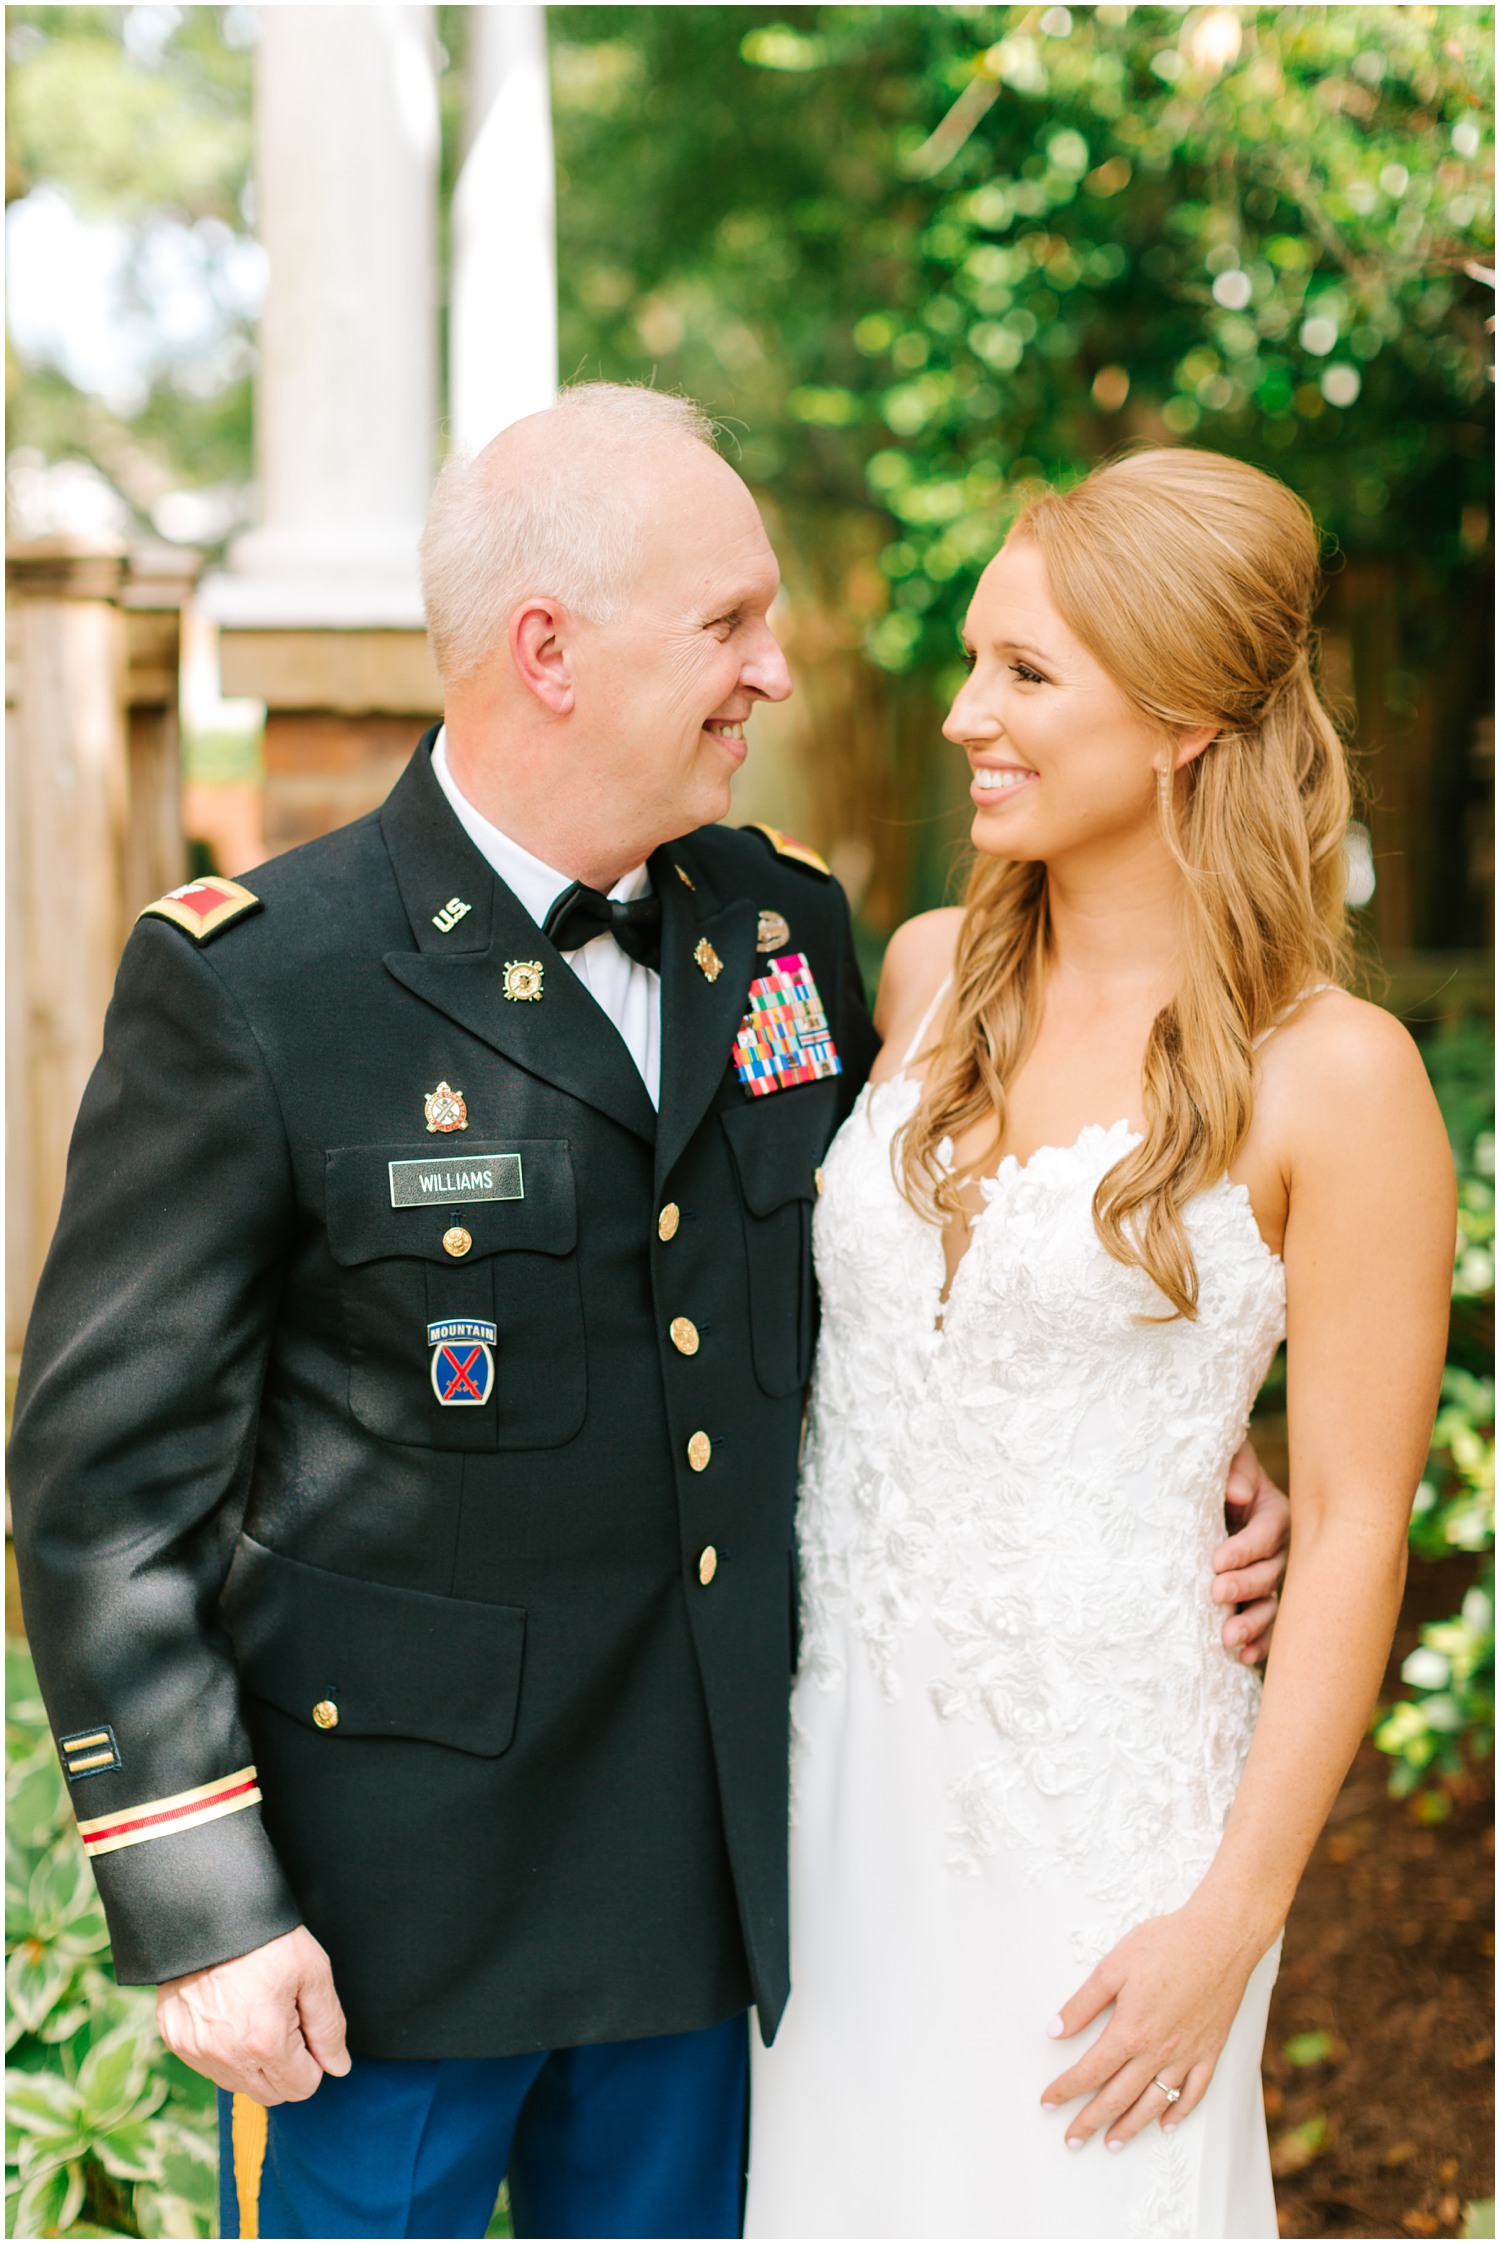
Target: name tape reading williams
x=483 y=1176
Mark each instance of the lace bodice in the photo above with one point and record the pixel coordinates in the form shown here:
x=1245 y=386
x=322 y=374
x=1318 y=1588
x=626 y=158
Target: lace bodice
x=1016 y=1510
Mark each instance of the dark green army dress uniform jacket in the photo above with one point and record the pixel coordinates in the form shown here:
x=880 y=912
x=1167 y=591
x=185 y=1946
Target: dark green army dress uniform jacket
x=405 y=1514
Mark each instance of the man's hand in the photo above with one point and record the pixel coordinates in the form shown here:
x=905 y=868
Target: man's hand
x=267 y=2025
x=1248 y=1567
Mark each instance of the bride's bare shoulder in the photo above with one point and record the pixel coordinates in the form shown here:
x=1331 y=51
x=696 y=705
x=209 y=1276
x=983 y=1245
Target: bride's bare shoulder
x=1343 y=1080
x=918 y=958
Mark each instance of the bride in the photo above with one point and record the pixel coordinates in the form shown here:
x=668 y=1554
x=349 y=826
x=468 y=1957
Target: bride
x=1127 y=1131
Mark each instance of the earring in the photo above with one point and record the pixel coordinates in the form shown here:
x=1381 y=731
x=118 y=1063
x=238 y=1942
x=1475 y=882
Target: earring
x=1163 y=788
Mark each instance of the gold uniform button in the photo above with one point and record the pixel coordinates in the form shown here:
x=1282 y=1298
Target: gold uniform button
x=457 y=1241
x=708 y=1565
x=684 y=1336
x=700 y=1449
x=667 y=1221
x=326 y=1715
x=818 y=1182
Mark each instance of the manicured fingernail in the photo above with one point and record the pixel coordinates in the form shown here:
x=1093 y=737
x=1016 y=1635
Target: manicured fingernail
x=1049 y=2103
x=1055 y=2028
x=1114 y=2146
x=1075 y=2142
x=1169 y=2126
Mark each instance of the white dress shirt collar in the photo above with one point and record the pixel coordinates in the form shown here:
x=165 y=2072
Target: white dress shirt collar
x=532 y=883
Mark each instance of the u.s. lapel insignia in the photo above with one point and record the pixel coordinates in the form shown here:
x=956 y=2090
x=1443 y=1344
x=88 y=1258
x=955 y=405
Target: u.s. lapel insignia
x=452 y=912
x=707 y=959
x=771 y=932
x=463 y=1367
x=685 y=878
x=784 y=1037
x=523 y=980
x=445 y=1109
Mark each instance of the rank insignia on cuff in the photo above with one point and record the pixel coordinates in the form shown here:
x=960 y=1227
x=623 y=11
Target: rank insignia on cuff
x=178 y=1811
x=784 y=1037
x=202 y=907
x=89 y=1752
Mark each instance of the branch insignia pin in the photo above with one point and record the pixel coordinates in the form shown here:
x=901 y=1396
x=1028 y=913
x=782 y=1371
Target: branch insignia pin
x=523 y=980
x=707 y=960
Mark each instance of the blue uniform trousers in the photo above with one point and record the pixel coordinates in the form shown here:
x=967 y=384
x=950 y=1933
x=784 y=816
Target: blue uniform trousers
x=631 y=2138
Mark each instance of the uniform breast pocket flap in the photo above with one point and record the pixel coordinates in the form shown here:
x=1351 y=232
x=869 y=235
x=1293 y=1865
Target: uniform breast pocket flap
x=458 y=1278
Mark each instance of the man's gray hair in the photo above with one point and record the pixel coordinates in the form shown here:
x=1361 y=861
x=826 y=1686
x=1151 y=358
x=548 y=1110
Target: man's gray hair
x=567 y=532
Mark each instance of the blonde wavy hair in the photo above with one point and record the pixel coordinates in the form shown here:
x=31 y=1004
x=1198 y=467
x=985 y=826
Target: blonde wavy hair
x=1191 y=578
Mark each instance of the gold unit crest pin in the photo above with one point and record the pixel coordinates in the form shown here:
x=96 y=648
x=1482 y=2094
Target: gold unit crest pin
x=445 y=1109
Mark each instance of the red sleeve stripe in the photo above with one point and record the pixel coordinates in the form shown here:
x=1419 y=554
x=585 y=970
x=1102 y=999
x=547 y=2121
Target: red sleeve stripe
x=178 y=1811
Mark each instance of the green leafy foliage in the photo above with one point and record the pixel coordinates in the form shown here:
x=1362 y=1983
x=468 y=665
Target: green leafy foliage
x=1449 y=1717
x=106 y=2132
x=921 y=259
x=142 y=131
x=1308 y=2049
x=961 y=249
x=169 y=123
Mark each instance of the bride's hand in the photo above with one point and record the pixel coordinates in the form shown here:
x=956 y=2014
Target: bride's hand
x=1176 y=1984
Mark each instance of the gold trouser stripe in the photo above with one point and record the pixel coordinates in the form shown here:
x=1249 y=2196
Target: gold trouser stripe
x=247 y=2142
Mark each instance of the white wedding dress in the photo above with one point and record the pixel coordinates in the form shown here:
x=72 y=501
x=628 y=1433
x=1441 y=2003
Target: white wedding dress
x=1016 y=1732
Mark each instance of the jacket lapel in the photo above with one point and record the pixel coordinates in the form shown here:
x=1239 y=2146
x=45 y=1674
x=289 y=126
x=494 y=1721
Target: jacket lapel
x=699 y=1016
x=563 y=1036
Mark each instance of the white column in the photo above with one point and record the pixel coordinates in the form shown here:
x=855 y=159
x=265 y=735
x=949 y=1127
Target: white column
x=346 y=127
x=503 y=331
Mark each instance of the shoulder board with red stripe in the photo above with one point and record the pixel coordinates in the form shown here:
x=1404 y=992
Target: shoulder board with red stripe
x=204 y=907
x=785 y=846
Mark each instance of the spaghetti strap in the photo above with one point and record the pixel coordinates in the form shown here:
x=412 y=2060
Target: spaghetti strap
x=926 y=1022
x=1288 y=1010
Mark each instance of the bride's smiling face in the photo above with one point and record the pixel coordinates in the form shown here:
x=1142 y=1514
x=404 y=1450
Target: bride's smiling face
x=1061 y=759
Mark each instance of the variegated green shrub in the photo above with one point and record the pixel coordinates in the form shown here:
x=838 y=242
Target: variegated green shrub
x=107 y=2134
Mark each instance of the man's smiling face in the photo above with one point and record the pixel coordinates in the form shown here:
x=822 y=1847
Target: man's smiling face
x=668 y=686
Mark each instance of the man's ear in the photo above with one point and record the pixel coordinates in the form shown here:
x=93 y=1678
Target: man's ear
x=541 y=649
x=1190 y=745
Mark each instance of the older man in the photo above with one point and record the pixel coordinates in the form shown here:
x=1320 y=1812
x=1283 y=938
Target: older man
x=405 y=1454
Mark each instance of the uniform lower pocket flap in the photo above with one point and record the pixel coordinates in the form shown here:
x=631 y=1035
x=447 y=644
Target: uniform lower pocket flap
x=512 y=1194
x=776 y=1144
x=361 y=1659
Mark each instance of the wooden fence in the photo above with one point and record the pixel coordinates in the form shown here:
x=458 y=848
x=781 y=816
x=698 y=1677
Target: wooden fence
x=93 y=832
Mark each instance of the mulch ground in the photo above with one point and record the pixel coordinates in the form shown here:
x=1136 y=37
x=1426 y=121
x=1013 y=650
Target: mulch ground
x=1385 y=2128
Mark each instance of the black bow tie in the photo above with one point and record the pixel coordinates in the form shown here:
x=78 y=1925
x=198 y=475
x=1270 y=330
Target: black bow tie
x=582 y=913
